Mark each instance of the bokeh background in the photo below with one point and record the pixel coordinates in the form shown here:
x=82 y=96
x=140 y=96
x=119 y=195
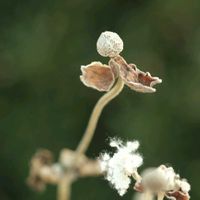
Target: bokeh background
x=44 y=104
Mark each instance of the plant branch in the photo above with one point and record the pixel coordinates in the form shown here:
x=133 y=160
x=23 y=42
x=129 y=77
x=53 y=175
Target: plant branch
x=103 y=101
x=64 y=188
x=160 y=196
x=148 y=195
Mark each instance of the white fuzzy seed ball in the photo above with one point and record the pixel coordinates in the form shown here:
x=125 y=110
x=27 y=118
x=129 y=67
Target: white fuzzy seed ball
x=109 y=44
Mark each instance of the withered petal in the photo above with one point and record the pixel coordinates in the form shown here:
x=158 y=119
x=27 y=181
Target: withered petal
x=138 y=87
x=138 y=187
x=97 y=76
x=143 y=82
x=177 y=195
x=135 y=78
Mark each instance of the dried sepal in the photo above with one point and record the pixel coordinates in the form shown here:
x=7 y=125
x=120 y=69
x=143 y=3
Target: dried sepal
x=177 y=195
x=138 y=187
x=135 y=78
x=145 y=82
x=98 y=76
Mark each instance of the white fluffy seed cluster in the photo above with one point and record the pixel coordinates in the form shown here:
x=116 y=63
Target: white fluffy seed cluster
x=119 y=166
x=109 y=44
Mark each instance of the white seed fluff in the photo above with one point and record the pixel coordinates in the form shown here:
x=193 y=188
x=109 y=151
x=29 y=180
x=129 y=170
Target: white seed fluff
x=109 y=44
x=121 y=165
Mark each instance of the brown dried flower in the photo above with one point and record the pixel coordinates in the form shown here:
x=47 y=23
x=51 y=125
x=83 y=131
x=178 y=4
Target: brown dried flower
x=102 y=77
x=42 y=170
x=177 y=195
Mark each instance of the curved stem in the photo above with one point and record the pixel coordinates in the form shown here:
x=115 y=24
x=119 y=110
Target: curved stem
x=105 y=99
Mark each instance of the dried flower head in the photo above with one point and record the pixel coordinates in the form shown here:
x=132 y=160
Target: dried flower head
x=43 y=170
x=41 y=158
x=102 y=77
x=109 y=44
x=164 y=180
x=121 y=165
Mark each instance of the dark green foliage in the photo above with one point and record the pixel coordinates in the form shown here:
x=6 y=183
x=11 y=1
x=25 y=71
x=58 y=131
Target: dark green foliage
x=44 y=104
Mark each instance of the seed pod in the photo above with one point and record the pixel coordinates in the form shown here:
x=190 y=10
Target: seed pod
x=109 y=44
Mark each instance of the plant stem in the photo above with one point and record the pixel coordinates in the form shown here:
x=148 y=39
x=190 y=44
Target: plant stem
x=160 y=196
x=148 y=195
x=64 y=188
x=103 y=101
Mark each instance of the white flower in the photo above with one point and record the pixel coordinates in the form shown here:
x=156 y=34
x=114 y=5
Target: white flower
x=120 y=166
x=109 y=44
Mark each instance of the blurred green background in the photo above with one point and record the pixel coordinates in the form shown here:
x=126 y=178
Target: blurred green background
x=44 y=104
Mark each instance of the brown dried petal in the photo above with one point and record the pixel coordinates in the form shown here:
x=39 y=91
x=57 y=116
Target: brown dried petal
x=177 y=195
x=138 y=187
x=135 y=78
x=97 y=76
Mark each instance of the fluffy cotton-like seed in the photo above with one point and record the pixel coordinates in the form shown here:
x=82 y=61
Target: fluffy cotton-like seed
x=109 y=44
x=120 y=166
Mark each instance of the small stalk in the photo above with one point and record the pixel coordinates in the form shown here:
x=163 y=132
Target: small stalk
x=64 y=188
x=160 y=196
x=148 y=195
x=102 y=102
x=136 y=176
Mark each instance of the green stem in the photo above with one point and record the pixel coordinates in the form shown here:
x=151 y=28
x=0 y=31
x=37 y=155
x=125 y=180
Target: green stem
x=103 y=101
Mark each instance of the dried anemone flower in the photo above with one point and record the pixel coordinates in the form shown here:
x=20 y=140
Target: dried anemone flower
x=163 y=180
x=43 y=170
x=102 y=77
x=121 y=165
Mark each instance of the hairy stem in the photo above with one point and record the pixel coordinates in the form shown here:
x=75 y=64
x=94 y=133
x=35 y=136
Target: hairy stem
x=64 y=188
x=103 y=101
